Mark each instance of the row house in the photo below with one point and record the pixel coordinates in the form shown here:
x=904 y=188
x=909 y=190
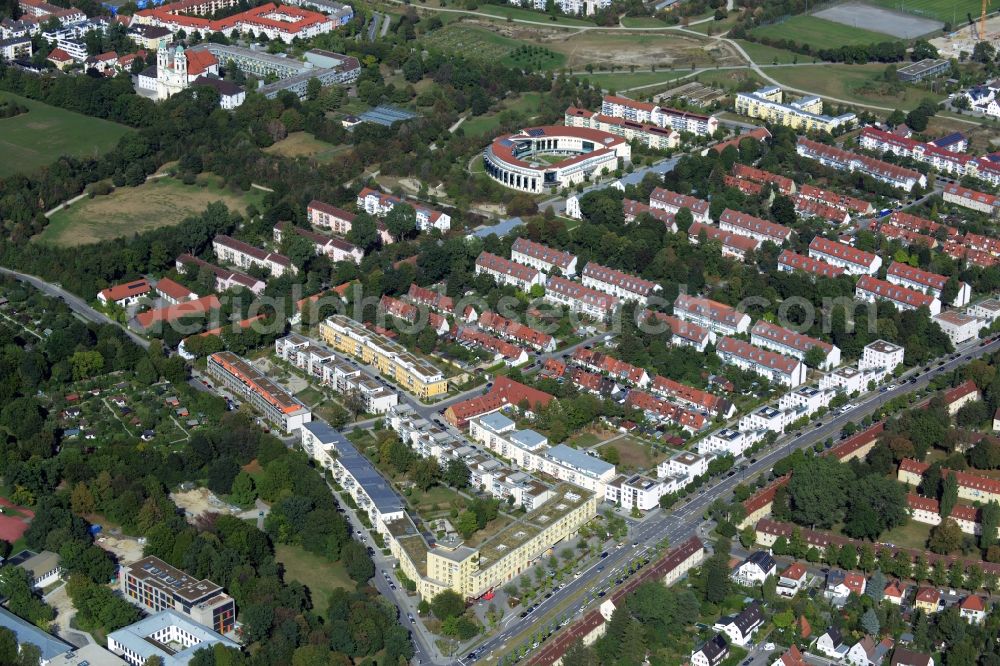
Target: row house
x=224 y=278
x=516 y=331
x=907 y=237
x=748 y=187
x=941 y=159
x=782 y=184
x=928 y=511
x=905 y=275
x=340 y=221
x=703 y=401
x=770 y=336
x=578 y=298
x=439 y=303
x=173 y=292
x=337 y=249
x=806 y=207
x=682 y=333
x=379 y=204
x=644 y=112
x=729 y=442
x=592 y=382
x=244 y=255
x=904 y=220
x=733 y=245
x=837 y=200
x=851 y=259
x=511 y=354
x=718 y=317
x=872 y=289
x=618 y=283
x=983 y=243
x=411 y=314
x=665 y=412
x=632 y=209
x=790 y=262
x=673 y=202
x=785 y=370
x=843 y=160
x=543 y=258
x=504 y=271
x=971 y=486
x=613 y=367
x=967 y=198
x=744 y=224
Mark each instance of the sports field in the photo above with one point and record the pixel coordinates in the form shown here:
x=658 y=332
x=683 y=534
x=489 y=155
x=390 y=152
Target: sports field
x=45 y=133
x=159 y=202
x=880 y=19
x=946 y=11
x=819 y=33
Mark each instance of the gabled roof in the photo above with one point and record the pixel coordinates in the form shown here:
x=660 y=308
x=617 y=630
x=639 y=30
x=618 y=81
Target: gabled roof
x=930 y=595
x=973 y=603
x=783 y=336
x=549 y=255
x=497 y=264
x=676 y=200
x=892 y=292
x=841 y=251
x=792 y=657
x=808 y=264
x=620 y=279
x=731 y=239
x=795 y=571
x=706 y=307
x=755 y=225
x=126 y=290
x=758 y=356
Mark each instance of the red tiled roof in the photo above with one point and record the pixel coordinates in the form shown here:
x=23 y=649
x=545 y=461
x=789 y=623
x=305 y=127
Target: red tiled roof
x=706 y=307
x=507 y=350
x=577 y=292
x=58 y=55
x=795 y=571
x=968 y=387
x=126 y=290
x=632 y=209
x=738 y=242
x=754 y=354
x=793 y=657
x=549 y=255
x=675 y=200
x=783 y=336
x=618 y=278
x=855 y=583
x=844 y=201
x=399 y=309
x=765 y=496
x=928 y=595
x=759 y=133
x=913 y=274
x=172 y=289
x=749 y=223
x=814 y=208
x=856 y=441
x=667 y=410
x=506 y=266
x=171 y=313
x=973 y=602
x=609 y=364
x=841 y=251
x=506 y=327
x=703 y=399
x=808 y=264
x=784 y=185
x=743 y=185
x=682 y=329
x=199 y=61
x=892 y=292
x=964 y=192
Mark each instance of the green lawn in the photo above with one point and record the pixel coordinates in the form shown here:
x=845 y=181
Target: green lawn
x=319 y=575
x=622 y=81
x=819 y=33
x=911 y=535
x=45 y=133
x=310 y=396
x=524 y=105
x=534 y=58
x=584 y=440
x=848 y=82
x=435 y=498
x=768 y=55
x=642 y=22
x=304 y=144
x=501 y=11
x=714 y=27
x=945 y=11
x=127 y=210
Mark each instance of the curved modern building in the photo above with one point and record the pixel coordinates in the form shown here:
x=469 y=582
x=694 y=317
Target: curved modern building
x=508 y=160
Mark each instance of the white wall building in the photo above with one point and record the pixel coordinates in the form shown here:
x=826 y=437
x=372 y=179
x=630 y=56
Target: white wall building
x=504 y=271
x=958 y=326
x=718 y=317
x=852 y=260
x=543 y=258
x=618 y=283
x=786 y=370
x=881 y=355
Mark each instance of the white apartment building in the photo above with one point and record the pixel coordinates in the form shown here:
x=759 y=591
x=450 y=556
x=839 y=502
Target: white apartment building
x=618 y=283
x=729 y=441
x=881 y=355
x=717 y=317
x=661 y=116
x=770 y=336
x=766 y=417
x=988 y=310
x=911 y=277
x=743 y=224
x=543 y=258
x=576 y=467
x=963 y=196
x=686 y=465
x=852 y=260
x=379 y=204
x=806 y=400
x=958 y=326
x=785 y=370
x=337 y=249
x=504 y=271
x=851 y=380
x=673 y=202
x=635 y=492
x=843 y=160
x=580 y=298
x=872 y=289
x=682 y=332
x=244 y=255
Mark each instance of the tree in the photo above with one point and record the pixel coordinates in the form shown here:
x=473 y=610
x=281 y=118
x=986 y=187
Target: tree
x=447 y=604
x=876 y=586
x=972 y=415
x=356 y=561
x=364 y=232
x=983 y=52
x=221 y=475
x=870 y=623
x=783 y=210
x=815 y=357
x=683 y=219
x=244 y=490
x=945 y=538
x=456 y=474
x=848 y=557
x=401 y=221
x=467 y=524
x=949 y=495
x=877 y=504
x=413 y=69
x=990 y=521
x=313 y=89
x=818 y=492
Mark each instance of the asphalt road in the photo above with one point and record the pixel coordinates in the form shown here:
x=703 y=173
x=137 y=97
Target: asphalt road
x=686 y=519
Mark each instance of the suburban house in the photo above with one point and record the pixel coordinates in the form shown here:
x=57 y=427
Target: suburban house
x=740 y=628
x=792 y=579
x=869 y=652
x=755 y=569
x=831 y=644
x=928 y=599
x=712 y=653
x=972 y=609
x=125 y=294
x=904 y=657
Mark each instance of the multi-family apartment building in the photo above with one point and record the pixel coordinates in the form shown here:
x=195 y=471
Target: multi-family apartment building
x=958 y=326
x=843 y=160
x=786 y=370
x=837 y=200
x=767 y=418
x=664 y=411
x=392 y=360
x=632 y=209
x=672 y=202
x=337 y=249
x=790 y=262
x=729 y=441
x=651 y=136
x=250 y=384
x=224 y=278
x=618 y=283
x=644 y=112
x=744 y=224
x=509 y=353
x=273 y=21
x=851 y=259
x=941 y=159
x=543 y=258
x=733 y=245
x=988 y=310
x=967 y=198
x=917 y=224
x=516 y=332
x=681 y=332
x=244 y=255
x=635 y=491
x=771 y=336
x=685 y=466
x=579 y=298
x=912 y=277
x=805 y=207
x=872 y=289
x=613 y=367
x=379 y=204
x=804 y=114
x=782 y=184
x=504 y=271
x=337 y=220
x=718 y=317
x=881 y=354
x=805 y=401
x=157 y=586
x=698 y=399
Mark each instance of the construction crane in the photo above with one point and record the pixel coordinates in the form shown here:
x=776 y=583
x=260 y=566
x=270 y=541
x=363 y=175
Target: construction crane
x=982 y=22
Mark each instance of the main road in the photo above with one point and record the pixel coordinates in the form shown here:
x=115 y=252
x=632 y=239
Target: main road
x=685 y=520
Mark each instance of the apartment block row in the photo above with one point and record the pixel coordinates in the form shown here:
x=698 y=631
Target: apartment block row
x=340 y=221
x=337 y=249
x=804 y=114
x=244 y=255
x=251 y=385
x=732 y=245
x=651 y=136
x=837 y=158
x=644 y=112
x=380 y=204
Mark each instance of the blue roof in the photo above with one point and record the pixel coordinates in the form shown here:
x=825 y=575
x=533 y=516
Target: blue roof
x=501 y=228
x=134 y=637
x=378 y=489
x=949 y=140
x=26 y=632
x=528 y=438
x=387 y=115
x=580 y=460
x=496 y=421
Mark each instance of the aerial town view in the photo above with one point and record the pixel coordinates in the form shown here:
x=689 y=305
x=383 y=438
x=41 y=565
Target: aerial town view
x=453 y=332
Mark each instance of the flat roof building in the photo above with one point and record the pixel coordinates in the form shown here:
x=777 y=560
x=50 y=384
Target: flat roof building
x=169 y=635
x=277 y=405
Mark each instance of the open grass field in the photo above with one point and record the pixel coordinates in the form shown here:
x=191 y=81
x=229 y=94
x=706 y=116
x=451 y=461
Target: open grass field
x=644 y=50
x=304 y=144
x=45 y=133
x=156 y=203
x=634 y=454
x=623 y=81
x=847 y=82
x=768 y=55
x=910 y=535
x=642 y=22
x=819 y=33
x=434 y=500
x=320 y=576
x=526 y=105
x=946 y=11
x=505 y=12
x=714 y=27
